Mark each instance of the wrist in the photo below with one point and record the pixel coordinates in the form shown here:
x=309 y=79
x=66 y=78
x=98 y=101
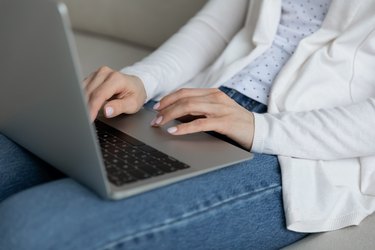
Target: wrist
x=252 y=130
x=149 y=82
x=140 y=87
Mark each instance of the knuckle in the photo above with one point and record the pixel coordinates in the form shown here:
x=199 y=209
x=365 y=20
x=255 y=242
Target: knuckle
x=112 y=76
x=103 y=70
x=220 y=95
x=199 y=122
x=95 y=95
x=187 y=105
x=183 y=91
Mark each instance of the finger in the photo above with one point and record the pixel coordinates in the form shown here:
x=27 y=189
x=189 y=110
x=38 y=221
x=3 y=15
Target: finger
x=97 y=79
x=182 y=93
x=88 y=79
x=189 y=106
x=127 y=105
x=199 y=125
x=102 y=94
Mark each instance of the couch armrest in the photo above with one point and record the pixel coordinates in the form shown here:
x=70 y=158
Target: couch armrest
x=144 y=22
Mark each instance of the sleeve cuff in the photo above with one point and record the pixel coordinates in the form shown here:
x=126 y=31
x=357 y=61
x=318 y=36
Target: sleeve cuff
x=148 y=80
x=260 y=133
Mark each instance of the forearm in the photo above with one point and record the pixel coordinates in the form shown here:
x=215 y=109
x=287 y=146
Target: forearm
x=191 y=49
x=326 y=134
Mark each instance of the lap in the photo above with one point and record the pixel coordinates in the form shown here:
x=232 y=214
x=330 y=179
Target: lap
x=238 y=207
x=20 y=170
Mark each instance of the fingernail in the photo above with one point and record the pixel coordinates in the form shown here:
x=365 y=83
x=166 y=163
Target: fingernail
x=153 y=121
x=157 y=105
x=108 y=111
x=158 y=120
x=172 y=130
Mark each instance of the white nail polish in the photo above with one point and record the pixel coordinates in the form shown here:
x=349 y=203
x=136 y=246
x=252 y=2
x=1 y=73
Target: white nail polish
x=108 y=111
x=157 y=105
x=172 y=130
x=153 y=122
x=158 y=120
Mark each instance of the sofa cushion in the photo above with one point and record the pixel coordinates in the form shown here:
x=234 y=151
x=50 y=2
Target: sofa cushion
x=95 y=51
x=355 y=237
x=146 y=22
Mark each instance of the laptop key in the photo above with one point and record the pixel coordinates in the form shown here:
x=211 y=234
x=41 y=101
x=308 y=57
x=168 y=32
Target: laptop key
x=153 y=152
x=121 y=179
x=128 y=160
x=166 y=168
x=149 y=169
x=126 y=178
x=137 y=173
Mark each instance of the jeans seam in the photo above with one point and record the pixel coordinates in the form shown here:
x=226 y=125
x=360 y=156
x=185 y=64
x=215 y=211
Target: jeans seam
x=160 y=227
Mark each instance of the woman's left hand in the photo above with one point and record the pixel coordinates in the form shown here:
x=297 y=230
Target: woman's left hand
x=218 y=113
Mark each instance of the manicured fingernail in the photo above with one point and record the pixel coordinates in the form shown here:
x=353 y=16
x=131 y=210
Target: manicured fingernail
x=153 y=121
x=172 y=130
x=108 y=111
x=157 y=105
x=158 y=120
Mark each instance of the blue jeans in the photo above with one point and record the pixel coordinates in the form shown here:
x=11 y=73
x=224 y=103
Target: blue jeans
x=238 y=207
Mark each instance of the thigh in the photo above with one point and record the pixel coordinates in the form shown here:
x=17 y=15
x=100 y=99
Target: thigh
x=20 y=170
x=238 y=207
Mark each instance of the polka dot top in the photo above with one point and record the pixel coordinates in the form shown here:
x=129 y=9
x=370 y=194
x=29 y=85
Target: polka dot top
x=299 y=18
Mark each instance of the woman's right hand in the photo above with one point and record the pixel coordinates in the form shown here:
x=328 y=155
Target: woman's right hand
x=117 y=93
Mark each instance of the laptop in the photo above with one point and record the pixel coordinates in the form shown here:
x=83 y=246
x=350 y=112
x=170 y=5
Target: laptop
x=44 y=109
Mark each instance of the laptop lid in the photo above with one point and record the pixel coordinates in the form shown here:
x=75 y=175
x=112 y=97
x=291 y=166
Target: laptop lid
x=42 y=102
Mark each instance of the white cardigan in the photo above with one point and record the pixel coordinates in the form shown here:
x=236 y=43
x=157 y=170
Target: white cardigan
x=321 y=120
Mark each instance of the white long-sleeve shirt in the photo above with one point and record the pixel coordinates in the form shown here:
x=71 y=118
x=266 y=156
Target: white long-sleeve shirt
x=321 y=116
x=299 y=19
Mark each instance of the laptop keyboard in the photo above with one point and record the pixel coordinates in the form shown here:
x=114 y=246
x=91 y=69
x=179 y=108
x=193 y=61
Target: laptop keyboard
x=128 y=160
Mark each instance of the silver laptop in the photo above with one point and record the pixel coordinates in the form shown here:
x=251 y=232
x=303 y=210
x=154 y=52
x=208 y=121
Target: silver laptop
x=43 y=108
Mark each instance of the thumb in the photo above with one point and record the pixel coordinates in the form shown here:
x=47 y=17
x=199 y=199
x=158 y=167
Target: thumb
x=116 y=107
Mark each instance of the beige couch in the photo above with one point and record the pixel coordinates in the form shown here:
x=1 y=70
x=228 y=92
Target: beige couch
x=117 y=33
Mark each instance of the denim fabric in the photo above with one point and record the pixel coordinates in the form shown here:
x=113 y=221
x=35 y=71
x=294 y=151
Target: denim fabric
x=20 y=170
x=238 y=207
x=244 y=101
